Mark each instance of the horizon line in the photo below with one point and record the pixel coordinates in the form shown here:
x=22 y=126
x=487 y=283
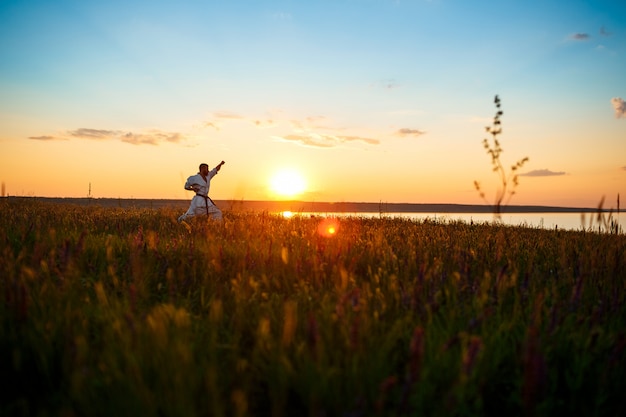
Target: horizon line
x=340 y=206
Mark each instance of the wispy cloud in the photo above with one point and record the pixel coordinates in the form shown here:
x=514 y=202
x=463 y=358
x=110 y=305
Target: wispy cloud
x=605 y=32
x=318 y=140
x=387 y=84
x=46 y=138
x=227 y=115
x=316 y=131
x=580 y=36
x=219 y=119
x=619 y=106
x=359 y=139
x=542 y=173
x=96 y=134
x=321 y=132
x=264 y=124
x=624 y=168
x=410 y=132
x=151 y=137
x=313 y=123
x=281 y=15
x=211 y=124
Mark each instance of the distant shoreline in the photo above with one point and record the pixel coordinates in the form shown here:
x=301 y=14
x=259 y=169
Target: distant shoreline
x=310 y=207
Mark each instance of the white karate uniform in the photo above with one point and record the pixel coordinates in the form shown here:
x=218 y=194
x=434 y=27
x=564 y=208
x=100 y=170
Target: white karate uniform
x=201 y=204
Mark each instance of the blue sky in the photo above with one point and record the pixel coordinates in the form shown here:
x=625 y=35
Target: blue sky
x=367 y=100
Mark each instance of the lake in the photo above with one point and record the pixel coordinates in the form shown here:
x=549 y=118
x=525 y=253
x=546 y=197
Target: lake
x=565 y=221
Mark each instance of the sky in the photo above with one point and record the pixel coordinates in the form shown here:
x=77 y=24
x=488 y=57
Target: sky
x=316 y=100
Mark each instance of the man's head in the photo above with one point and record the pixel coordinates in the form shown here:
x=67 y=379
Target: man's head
x=204 y=168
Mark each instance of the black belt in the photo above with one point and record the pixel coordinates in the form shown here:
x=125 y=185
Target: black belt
x=206 y=200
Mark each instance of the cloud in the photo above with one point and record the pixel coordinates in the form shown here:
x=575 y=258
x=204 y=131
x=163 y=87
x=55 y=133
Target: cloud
x=542 y=173
x=624 y=168
x=318 y=140
x=264 y=124
x=227 y=115
x=410 y=132
x=45 y=138
x=218 y=117
x=135 y=139
x=222 y=117
x=314 y=123
x=84 y=133
x=580 y=36
x=359 y=138
x=619 y=106
x=211 y=124
x=281 y=15
x=605 y=32
x=320 y=132
x=388 y=84
x=151 y=137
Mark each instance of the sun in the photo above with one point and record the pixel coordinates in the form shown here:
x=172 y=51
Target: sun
x=287 y=183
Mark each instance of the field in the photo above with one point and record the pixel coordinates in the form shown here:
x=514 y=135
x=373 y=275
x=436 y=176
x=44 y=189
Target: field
x=113 y=311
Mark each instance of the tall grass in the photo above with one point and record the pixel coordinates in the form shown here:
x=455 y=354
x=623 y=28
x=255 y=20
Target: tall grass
x=126 y=312
x=507 y=181
x=605 y=222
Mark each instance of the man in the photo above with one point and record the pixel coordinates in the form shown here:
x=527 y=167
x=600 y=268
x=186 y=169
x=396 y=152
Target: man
x=201 y=203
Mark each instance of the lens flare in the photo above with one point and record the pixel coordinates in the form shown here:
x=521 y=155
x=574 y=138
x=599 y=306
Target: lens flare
x=328 y=227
